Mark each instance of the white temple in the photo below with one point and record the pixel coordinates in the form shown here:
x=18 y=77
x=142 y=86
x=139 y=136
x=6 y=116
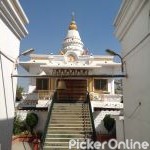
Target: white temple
x=80 y=71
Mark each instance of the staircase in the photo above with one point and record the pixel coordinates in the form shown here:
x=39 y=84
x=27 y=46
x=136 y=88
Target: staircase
x=68 y=121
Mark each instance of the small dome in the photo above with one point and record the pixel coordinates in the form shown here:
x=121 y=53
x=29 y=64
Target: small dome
x=73 y=25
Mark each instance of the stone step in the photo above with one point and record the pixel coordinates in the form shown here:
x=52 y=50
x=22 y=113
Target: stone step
x=61 y=104
x=70 y=116
x=68 y=125
x=84 y=120
x=62 y=131
x=64 y=139
x=70 y=112
x=58 y=143
x=70 y=121
x=70 y=104
x=67 y=114
x=74 y=107
x=67 y=135
x=70 y=108
x=58 y=148
x=70 y=128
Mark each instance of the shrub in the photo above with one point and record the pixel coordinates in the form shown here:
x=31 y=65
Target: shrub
x=31 y=121
x=19 y=126
x=108 y=123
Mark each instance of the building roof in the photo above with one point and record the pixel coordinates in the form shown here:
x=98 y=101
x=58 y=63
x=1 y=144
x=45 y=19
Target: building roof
x=71 y=56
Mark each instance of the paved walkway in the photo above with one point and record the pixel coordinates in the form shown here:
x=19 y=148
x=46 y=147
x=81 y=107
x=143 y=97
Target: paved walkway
x=21 y=146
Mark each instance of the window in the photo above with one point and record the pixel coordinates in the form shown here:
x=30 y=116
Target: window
x=100 y=84
x=42 y=83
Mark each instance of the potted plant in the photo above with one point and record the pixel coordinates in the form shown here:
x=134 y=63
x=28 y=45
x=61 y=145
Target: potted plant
x=19 y=126
x=23 y=130
x=108 y=123
x=31 y=121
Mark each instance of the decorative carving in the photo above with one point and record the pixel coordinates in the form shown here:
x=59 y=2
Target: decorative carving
x=70 y=72
x=71 y=58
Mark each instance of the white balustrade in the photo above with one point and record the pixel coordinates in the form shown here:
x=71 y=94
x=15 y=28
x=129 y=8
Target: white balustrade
x=106 y=97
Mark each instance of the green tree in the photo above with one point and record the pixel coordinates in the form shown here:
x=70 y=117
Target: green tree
x=19 y=92
x=108 y=123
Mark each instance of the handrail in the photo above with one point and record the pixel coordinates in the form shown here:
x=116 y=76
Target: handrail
x=48 y=117
x=91 y=116
x=48 y=102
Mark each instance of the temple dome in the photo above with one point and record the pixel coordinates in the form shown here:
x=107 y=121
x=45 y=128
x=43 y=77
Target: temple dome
x=72 y=41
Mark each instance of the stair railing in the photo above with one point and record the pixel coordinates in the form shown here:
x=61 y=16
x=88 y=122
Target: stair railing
x=91 y=116
x=54 y=98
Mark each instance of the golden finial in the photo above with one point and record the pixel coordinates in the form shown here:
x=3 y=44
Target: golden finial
x=73 y=25
x=73 y=16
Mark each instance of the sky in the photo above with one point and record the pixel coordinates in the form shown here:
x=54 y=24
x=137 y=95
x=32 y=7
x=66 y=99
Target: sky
x=49 y=21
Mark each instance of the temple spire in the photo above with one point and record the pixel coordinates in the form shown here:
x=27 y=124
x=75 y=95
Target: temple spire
x=72 y=42
x=73 y=25
x=73 y=16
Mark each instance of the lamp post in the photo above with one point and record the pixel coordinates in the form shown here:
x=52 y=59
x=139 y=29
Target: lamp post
x=24 y=53
x=15 y=63
x=111 y=52
x=7 y=95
